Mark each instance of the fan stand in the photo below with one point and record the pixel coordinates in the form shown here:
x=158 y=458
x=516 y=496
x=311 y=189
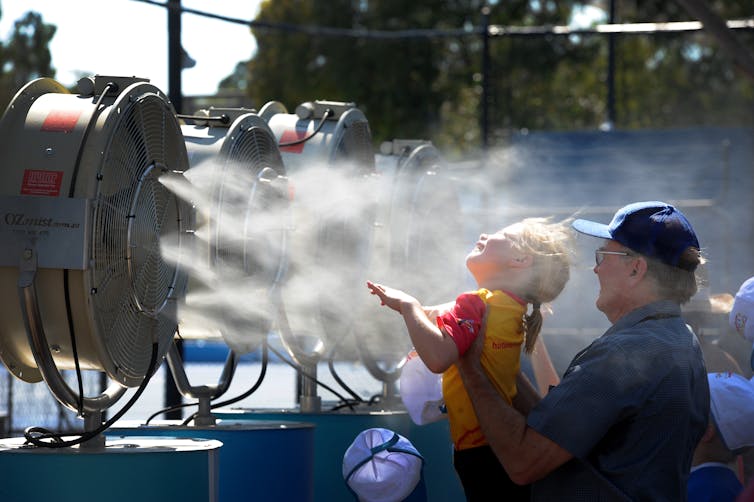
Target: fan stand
x=204 y=393
x=90 y=408
x=306 y=357
x=389 y=396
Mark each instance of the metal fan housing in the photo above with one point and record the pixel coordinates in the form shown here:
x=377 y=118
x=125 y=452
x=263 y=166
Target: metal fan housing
x=241 y=225
x=91 y=165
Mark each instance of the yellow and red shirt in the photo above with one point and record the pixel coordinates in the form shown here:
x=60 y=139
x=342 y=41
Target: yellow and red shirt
x=500 y=355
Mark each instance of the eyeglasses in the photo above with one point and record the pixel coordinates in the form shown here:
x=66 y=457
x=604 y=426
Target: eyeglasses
x=599 y=255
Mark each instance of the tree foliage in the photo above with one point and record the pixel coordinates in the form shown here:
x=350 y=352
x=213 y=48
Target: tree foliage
x=431 y=87
x=25 y=56
x=402 y=85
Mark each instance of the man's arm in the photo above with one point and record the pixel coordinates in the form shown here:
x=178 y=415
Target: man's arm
x=524 y=453
x=527 y=396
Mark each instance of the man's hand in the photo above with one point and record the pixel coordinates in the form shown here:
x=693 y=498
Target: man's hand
x=471 y=360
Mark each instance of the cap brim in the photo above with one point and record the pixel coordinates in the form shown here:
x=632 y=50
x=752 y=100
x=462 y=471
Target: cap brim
x=592 y=228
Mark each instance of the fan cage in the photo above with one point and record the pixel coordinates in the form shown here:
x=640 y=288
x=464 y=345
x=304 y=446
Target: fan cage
x=134 y=289
x=355 y=146
x=251 y=258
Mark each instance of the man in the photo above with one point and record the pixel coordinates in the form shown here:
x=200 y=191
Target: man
x=624 y=421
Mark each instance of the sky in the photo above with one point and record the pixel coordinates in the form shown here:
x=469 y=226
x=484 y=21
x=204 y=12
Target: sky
x=130 y=38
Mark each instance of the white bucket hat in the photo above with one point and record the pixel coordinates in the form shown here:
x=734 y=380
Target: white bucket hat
x=421 y=391
x=382 y=466
x=732 y=407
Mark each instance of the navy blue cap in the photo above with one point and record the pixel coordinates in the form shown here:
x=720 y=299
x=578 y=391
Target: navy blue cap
x=654 y=229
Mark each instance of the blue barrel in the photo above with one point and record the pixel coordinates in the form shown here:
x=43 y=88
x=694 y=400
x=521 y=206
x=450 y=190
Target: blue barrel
x=124 y=470
x=260 y=460
x=335 y=431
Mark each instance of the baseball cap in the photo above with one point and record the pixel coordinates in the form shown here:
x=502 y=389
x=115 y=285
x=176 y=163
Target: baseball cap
x=732 y=407
x=653 y=228
x=383 y=466
x=741 y=317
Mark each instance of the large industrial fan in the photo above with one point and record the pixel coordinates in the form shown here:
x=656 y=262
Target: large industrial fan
x=82 y=177
x=419 y=210
x=329 y=158
x=237 y=172
x=239 y=191
x=88 y=219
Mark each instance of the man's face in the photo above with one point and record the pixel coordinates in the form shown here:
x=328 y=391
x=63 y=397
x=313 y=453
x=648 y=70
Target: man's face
x=612 y=272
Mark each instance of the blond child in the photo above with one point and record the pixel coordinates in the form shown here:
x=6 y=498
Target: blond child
x=524 y=263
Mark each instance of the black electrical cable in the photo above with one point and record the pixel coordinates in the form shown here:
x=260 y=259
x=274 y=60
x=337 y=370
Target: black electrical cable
x=331 y=366
x=175 y=407
x=71 y=192
x=223 y=119
x=262 y=373
x=74 y=348
x=310 y=377
x=37 y=435
x=325 y=116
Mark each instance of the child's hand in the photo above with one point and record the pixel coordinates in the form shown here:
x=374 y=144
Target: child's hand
x=390 y=297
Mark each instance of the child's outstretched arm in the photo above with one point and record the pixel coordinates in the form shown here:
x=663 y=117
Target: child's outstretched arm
x=433 y=311
x=434 y=346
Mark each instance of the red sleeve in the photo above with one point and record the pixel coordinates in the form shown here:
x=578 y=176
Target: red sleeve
x=463 y=321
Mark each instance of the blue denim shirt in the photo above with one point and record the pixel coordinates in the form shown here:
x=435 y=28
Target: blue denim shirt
x=631 y=408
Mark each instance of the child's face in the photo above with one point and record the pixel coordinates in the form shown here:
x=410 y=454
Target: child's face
x=493 y=251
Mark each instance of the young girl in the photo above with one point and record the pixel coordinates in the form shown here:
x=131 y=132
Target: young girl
x=524 y=263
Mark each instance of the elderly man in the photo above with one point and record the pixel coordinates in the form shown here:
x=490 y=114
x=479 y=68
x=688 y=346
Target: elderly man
x=624 y=421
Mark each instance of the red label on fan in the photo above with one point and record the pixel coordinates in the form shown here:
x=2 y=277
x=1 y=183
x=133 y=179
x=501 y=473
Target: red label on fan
x=289 y=136
x=38 y=182
x=61 y=120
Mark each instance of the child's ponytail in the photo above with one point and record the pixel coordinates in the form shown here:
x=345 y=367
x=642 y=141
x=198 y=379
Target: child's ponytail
x=532 y=326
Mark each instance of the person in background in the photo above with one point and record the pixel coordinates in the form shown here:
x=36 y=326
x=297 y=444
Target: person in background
x=741 y=319
x=724 y=350
x=707 y=315
x=526 y=263
x=729 y=432
x=629 y=410
x=741 y=316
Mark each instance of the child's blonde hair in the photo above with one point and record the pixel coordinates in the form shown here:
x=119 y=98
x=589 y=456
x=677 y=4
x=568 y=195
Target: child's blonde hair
x=550 y=246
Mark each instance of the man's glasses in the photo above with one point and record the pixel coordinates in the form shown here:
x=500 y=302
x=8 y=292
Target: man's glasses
x=599 y=255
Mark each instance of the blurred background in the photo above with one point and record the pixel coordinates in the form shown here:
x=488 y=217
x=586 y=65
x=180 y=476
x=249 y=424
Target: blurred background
x=463 y=74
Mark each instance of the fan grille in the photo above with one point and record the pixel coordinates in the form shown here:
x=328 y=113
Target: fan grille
x=254 y=150
x=250 y=242
x=356 y=145
x=133 y=287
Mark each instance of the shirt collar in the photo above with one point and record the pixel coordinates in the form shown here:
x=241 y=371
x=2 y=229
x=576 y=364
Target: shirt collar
x=661 y=308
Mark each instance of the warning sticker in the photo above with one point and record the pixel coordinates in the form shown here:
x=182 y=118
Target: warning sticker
x=38 y=182
x=61 y=120
x=289 y=136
